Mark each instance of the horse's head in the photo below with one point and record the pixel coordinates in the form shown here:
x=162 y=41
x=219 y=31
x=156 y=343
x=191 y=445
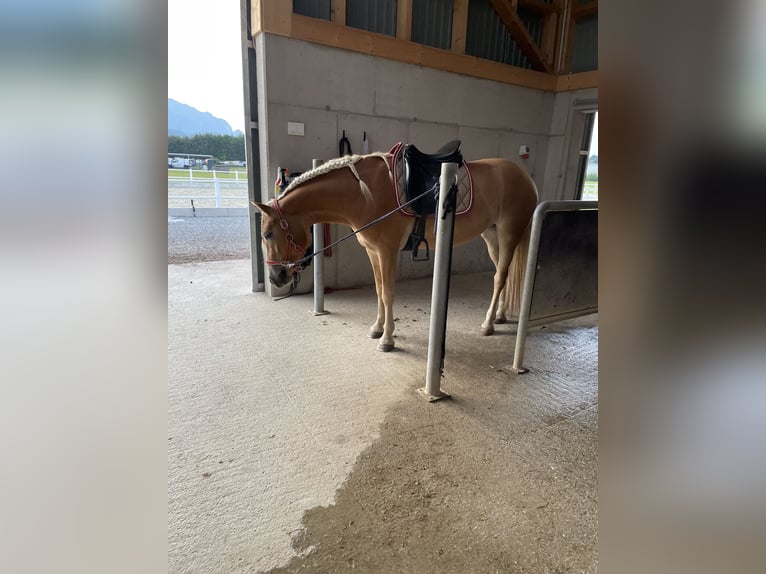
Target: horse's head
x=284 y=243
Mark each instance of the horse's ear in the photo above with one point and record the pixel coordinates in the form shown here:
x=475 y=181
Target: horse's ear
x=267 y=209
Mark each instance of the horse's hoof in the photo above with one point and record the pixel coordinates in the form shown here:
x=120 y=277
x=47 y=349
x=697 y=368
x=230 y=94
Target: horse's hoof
x=488 y=330
x=375 y=334
x=500 y=320
x=385 y=347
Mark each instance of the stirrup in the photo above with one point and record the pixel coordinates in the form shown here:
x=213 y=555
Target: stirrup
x=416 y=249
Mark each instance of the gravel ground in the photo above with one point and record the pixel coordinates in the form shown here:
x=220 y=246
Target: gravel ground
x=207 y=239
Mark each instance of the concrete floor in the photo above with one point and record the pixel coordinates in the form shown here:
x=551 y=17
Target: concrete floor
x=294 y=445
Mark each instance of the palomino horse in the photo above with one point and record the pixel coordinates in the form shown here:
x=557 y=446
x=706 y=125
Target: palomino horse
x=355 y=190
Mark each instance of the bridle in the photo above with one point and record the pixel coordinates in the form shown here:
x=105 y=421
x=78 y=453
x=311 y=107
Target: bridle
x=291 y=244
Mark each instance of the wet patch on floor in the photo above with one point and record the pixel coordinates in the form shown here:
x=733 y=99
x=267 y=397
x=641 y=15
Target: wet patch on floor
x=501 y=479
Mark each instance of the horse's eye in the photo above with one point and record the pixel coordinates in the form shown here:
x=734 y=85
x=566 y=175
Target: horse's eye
x=267 y=236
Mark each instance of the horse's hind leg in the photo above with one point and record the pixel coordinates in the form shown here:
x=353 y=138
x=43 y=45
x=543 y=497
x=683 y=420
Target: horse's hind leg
x=493 y=248
x=502 y=306
x=506 y=248
x=501 y=274
x=376 y=330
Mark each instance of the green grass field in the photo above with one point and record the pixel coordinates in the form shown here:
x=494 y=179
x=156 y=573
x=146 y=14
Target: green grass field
x=590 y=191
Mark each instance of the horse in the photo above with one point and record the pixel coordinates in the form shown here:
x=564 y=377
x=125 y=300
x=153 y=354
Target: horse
x=356 y=190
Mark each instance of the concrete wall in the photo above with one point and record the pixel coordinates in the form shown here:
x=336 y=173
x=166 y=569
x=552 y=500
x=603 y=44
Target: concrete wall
x=330 y=90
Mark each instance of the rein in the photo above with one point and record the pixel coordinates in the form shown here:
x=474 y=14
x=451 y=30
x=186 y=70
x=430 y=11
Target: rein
x=303 y=261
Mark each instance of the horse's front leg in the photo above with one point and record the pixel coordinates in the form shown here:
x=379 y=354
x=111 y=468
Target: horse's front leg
x=376 y=330
x=388 y=284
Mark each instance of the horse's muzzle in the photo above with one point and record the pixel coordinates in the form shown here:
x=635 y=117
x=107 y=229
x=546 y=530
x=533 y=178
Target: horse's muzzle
x=278 y=276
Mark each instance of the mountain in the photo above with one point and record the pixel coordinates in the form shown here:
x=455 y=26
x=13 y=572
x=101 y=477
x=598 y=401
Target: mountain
x=185 y=120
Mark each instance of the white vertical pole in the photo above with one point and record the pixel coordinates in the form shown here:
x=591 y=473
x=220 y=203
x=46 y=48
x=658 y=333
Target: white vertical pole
x=445 y=227
x=318 y=261
x=217 y=185
x=526 y=292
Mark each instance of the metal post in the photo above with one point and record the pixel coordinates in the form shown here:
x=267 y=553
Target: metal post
x=318 y=261
x=217 y=185
x=445 y=227
x=529 y=273
x=526 y=292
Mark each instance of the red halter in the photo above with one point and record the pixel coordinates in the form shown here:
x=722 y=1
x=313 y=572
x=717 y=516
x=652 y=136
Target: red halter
x=289 y=236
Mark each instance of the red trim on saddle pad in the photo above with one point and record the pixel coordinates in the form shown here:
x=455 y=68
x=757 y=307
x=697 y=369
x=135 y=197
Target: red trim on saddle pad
x=465 y=183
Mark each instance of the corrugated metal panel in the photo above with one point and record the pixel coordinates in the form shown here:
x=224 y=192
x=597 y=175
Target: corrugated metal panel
x=373 y=15
x=585 y=49
x=534 y=24
x=432 y=23
x=312 y=8
x=488 y=38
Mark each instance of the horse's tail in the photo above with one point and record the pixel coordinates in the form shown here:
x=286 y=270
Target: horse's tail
x=515 y=282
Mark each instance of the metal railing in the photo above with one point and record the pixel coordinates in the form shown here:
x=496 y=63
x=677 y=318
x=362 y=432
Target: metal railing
x=205 y=175
x=586 y=306
x=201 y=187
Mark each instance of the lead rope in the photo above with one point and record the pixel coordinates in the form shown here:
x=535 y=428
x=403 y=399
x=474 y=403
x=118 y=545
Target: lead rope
x=370 y=224
x=297 y=277
x=293 y=285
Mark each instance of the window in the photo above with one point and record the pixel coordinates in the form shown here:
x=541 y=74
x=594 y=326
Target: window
x=432 y=23
x=374 y=15
x=587 y=174
x=312 y=8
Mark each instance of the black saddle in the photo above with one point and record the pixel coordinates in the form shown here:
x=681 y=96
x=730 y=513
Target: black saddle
x=422 y=173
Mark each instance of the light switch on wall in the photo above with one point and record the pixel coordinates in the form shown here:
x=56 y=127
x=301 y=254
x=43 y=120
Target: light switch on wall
x=295 y=129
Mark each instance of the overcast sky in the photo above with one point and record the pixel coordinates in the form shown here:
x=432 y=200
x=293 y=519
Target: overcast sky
x=594 y=138
x=205 y=57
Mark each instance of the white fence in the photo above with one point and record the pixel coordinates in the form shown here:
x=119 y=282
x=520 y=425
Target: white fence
x=208 y=189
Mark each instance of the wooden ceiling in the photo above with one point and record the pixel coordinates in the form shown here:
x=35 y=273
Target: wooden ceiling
x=550 y=59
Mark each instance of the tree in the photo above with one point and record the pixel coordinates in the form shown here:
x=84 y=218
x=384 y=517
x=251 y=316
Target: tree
x=221 y=147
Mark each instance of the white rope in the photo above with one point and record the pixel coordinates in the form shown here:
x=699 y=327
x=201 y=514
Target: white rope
x=338 y=163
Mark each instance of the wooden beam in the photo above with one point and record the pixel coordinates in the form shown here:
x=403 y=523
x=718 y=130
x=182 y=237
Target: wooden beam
x=549 y=37
x=520 y=34
x=459 y=25
x=339 y=12
x=276 y=17
x=255 y=18
x=585 y=10
x=404 y=20
x=568 y=46
x=362 y=41
x=579 y=81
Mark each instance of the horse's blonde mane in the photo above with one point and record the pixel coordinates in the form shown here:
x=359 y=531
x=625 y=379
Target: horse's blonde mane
x=338 y=163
